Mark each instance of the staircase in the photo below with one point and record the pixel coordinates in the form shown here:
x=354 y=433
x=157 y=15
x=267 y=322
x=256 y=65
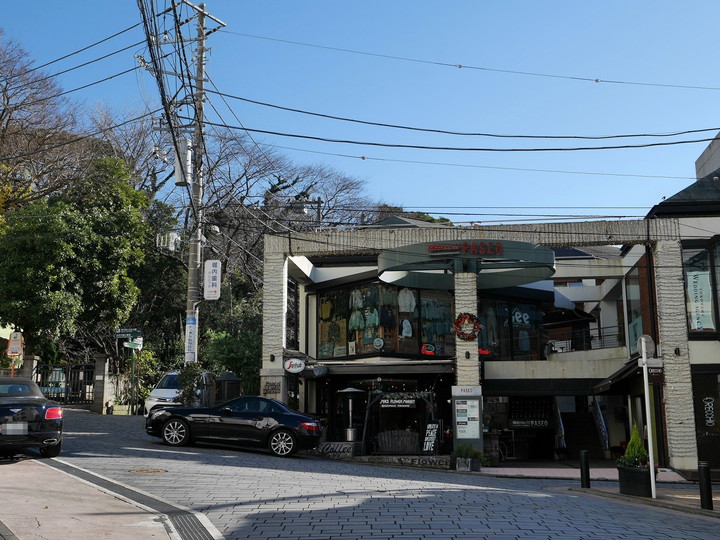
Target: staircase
x=581 y=434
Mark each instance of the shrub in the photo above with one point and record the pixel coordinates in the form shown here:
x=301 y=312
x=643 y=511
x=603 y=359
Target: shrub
x=466 y=451
x=635 y=454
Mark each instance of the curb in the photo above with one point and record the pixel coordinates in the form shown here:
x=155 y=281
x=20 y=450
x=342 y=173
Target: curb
x=647 y=501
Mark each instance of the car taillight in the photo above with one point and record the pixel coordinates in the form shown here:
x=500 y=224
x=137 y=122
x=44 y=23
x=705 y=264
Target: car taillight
x=310 y=426
x=53 y=413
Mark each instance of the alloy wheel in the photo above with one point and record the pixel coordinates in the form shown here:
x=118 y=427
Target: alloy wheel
x=282 y=443
x=175 y=433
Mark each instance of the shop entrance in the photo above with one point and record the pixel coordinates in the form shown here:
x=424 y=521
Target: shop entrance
x=387 y=415
x=397 y=421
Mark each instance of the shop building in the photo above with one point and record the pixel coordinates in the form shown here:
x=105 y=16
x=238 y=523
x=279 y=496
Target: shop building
x=371 y=328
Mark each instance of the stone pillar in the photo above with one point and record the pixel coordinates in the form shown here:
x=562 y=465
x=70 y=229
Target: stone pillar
x=467 y=364
x=273 y=382
x=672 y=328
x=103 y=389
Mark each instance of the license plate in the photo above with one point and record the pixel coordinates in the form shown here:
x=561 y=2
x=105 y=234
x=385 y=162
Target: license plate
x=14 y=428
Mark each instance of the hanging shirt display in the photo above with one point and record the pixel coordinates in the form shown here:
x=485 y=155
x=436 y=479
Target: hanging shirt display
x=406 y=328
x=406 y=301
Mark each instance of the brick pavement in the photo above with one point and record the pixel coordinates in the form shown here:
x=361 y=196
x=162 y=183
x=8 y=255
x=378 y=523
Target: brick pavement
x=247 y=494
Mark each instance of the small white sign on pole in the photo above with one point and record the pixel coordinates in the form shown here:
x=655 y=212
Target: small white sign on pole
x=15 y=344
x=212 y=279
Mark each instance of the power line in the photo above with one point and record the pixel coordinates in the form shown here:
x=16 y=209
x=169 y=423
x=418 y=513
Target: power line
x=79 y=50
x=79 y=137
x=35 y=81
x=47 y=98
x=473 y=166
x=458 y=148
x=595 y=80
x=461 y=133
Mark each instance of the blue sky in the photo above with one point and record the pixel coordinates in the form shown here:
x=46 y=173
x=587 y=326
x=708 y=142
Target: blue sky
x=529 y=70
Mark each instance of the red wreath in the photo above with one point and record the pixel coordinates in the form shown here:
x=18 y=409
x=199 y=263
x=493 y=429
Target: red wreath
x=461 y=324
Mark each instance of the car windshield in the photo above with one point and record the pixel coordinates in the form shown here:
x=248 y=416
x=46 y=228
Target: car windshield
x=18 y=388
x=169 y=381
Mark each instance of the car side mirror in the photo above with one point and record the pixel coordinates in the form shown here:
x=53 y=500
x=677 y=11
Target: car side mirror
x=226 y=410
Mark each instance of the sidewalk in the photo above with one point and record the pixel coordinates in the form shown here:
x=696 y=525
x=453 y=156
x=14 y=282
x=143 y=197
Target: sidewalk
x=672 y=491
x=38 y=502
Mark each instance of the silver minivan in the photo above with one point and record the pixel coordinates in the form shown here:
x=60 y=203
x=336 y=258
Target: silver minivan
x=167 y=391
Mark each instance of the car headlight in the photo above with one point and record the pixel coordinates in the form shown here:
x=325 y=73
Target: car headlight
x=156 y=413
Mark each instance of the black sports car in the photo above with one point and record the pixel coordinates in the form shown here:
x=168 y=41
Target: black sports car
x=245 y=421
x=28 y=419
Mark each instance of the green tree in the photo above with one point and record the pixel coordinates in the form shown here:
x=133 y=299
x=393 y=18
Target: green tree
x=65 y=260
x=162 y=281
x=234 y=339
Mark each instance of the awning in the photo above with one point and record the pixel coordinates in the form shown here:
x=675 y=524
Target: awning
x=620 y=381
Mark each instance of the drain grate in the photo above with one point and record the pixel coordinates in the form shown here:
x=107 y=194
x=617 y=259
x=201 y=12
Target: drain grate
x=187 y=524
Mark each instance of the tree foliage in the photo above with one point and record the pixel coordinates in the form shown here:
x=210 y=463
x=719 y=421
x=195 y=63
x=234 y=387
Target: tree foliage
x=66 y=259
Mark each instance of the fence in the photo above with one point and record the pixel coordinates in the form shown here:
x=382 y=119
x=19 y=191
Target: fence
x=584 y=340
x=67 y=384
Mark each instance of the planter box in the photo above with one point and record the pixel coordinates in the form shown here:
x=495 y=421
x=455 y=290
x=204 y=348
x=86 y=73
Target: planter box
x=467 y=464
x=635 y=481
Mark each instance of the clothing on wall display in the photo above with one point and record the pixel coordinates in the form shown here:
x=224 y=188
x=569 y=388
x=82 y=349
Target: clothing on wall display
x=356 y=299
x=326 y=309
x=357 y=321
x=406 y=301
x=406 y=328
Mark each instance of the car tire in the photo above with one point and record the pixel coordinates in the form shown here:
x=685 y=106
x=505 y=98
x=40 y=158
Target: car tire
x=176 y=432
x=51 y=451
x=283 y=443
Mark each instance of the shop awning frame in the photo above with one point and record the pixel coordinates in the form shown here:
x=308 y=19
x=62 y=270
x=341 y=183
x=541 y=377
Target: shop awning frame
x=621 y=377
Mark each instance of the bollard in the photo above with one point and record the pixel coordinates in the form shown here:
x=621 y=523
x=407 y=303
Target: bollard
x=584 y=469
x=706 y=501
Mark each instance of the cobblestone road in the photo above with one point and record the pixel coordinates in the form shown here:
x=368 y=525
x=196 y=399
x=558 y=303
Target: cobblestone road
x=253 y=495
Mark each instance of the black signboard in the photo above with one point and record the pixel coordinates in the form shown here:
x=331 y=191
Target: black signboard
x=706 y=397
x=431 y=437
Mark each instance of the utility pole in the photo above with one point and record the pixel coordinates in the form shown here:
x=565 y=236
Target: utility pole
x=183 y=175
x=196 y=239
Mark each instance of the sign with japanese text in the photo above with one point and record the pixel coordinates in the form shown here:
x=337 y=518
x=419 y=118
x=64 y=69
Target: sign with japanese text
x=212 y=280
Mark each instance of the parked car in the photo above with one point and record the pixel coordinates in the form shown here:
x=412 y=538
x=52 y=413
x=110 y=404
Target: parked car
x=167 y=391
x=28 y=419
x=244 y=421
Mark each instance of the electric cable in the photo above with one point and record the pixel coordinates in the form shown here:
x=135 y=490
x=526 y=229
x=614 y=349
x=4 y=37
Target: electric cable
x=79 y=50
x=79 y=137
x=89 y=62
x=595 y=80
x=457 y=148
x=462 y=133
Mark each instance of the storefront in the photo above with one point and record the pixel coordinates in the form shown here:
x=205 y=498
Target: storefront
x=420 y=310
x=390 y=344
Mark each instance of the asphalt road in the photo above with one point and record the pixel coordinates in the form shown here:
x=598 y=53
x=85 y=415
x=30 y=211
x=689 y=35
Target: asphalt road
x=251 y=494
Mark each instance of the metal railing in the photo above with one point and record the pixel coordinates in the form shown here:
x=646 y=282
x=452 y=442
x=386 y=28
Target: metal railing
x=66 y=384
x=584 y=340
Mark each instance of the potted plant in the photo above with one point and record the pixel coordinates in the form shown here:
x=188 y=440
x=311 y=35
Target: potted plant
x=633 y=467
x=466 y=458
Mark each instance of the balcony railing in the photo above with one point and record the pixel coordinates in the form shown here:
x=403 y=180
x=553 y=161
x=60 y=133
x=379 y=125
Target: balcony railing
x=584 y=340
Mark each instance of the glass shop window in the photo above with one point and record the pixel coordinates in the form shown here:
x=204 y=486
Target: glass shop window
x=700 y=268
